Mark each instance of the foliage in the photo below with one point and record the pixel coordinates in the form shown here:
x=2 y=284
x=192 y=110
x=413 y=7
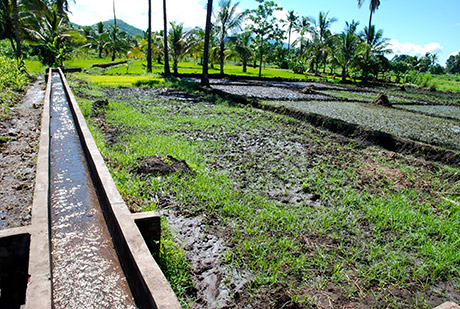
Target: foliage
x=180 y=43
x=453 y=64
x=12 y=81
x=241 y=47
x=50 y=35
x=264 y=25
x=227 y=20
x=348 y=49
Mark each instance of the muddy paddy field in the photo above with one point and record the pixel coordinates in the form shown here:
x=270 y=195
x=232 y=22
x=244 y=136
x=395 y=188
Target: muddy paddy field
x=263 y=210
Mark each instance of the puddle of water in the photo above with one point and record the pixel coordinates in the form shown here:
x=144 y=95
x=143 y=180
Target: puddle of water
x=86 y=271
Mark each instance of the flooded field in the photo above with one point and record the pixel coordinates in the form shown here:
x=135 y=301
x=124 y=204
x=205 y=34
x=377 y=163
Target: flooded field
x=423 y=128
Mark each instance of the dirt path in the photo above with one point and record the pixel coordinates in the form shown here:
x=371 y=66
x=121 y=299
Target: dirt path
x=19 y=135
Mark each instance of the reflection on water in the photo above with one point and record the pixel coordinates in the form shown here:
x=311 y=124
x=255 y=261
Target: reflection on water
x=85 y=266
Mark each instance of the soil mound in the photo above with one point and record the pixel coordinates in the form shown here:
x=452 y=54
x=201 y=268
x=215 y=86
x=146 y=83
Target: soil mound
x=309 y=90
x=382 y=100
x=163 y=166
x=101 y=103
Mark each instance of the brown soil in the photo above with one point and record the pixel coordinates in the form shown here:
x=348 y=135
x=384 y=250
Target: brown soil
x=162 y=166
x=382 y=100
x=18 y=155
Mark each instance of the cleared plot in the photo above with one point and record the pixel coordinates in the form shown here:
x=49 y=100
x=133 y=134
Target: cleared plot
x=432 y=130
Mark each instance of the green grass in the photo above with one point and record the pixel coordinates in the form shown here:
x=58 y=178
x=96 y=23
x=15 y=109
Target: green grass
x=34 y=66
x=12 y=83
x=382 y=222
x=137 y=67
x=123 y=80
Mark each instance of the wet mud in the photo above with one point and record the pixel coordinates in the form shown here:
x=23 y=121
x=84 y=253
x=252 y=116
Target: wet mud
x=19 y=136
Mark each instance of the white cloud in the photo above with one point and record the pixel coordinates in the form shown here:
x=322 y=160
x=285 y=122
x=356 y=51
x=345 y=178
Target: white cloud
x=87 y=12
x=414 y=49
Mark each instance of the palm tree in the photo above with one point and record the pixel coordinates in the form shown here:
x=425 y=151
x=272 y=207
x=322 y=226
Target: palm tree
x=227 y=19
x=165 y=41
x=347 y=50
x=204 y=75
x=322 y=35
x=291 y=22
x=373 y=6
x=302 y=27
x=62 y=7
x=241 y=48
x=49 y=34
x=149 y=47
x=180 y=43
x=377 y=43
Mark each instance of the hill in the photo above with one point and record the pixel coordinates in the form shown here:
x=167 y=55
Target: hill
x=131 y=30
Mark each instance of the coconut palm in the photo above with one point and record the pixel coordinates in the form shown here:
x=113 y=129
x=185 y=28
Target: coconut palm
x=62 y=7
x=348 y=49
x=241 y=47
x=302 y=27
x=207 y=31
x=180 y=43
x=373 y=6
x=377 y=43
x=227 y=20
x=291 y=22
x=49 y=34
x=322 y=35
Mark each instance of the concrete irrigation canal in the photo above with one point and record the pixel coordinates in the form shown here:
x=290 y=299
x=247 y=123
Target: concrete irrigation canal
x=84 y=249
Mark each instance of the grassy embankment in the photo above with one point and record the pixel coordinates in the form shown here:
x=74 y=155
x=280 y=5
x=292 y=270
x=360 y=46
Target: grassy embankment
x=384 y=222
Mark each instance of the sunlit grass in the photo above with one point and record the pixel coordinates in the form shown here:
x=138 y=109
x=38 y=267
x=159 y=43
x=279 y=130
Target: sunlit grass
x=122 y=80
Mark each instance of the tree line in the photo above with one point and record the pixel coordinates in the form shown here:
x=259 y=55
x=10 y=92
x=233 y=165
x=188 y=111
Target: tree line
x=253 y=37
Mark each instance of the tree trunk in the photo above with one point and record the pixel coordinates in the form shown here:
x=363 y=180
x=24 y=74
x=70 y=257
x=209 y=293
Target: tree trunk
x=114 y=33
x=289 y=41
x=204 y=76
x=149 y=48
x=175 y=65
x=261 y=55
x=16 y=30
x=366 y=65
x=316 y=65
x=344 y=75
x=165 y=41
x=245 y=66
x=222 y=52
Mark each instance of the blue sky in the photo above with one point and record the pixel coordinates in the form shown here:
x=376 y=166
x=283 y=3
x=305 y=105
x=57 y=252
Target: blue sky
x=414 y=26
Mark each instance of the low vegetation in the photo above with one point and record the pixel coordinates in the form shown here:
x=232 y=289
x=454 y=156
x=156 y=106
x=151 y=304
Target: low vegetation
x=312 y=216
x=12 y=83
